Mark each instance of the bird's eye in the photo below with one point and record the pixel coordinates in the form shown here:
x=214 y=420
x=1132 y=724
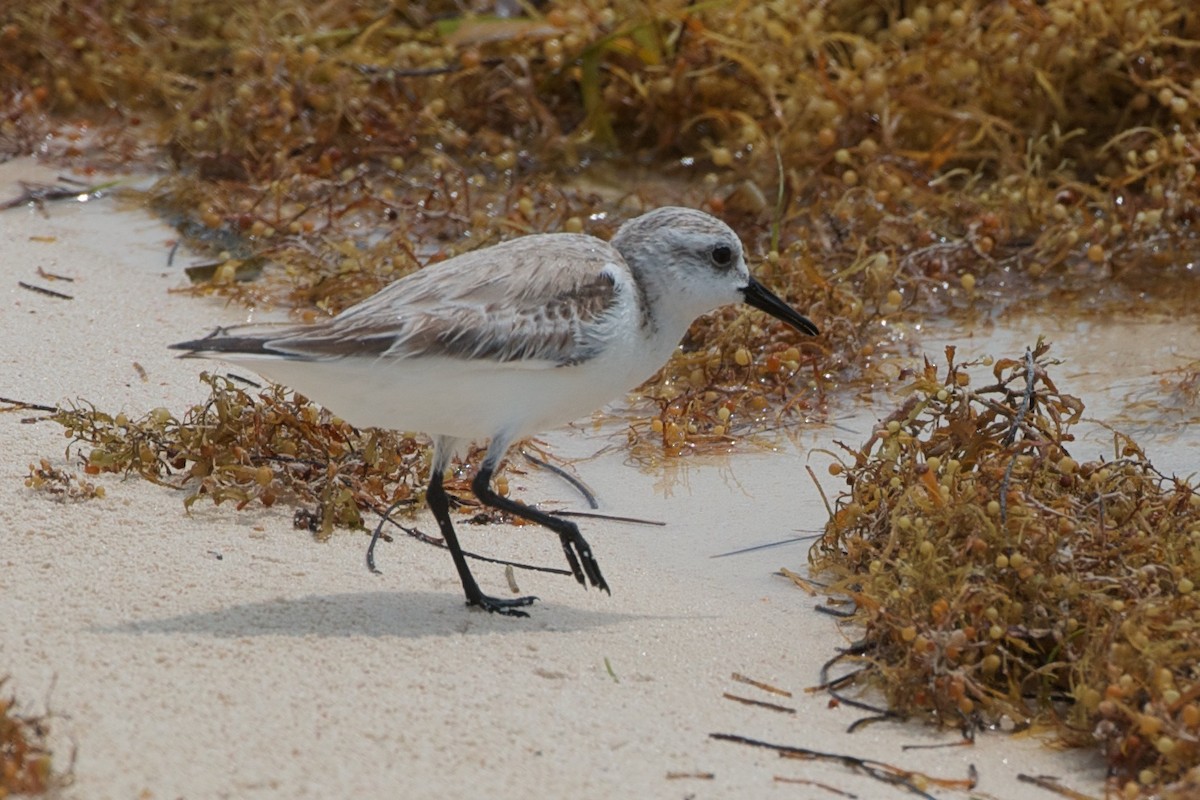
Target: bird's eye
x=722 y=255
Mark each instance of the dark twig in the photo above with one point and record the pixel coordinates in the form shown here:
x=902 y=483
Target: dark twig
x=1051 y=784
x=863 y=722
x=239 y=379
x=879 y=770
x=609 y=517
x=966 y=740
x=1011 y=436
x=759 y=703
x=840 y=613
x=768 y=545
x=30 y=406
x=1026 y=399
x=45 y=291
x=579 y=486
x=421 y=537
x=832 y=685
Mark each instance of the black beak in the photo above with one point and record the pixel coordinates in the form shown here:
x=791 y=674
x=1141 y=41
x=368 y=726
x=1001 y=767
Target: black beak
x=764 y=299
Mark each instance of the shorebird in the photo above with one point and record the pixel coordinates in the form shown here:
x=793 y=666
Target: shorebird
x=506 y=341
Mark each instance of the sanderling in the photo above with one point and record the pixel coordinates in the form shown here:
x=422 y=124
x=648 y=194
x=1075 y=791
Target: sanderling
x=509 y=340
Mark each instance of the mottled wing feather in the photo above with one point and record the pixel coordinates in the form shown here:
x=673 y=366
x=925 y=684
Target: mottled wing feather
x=544 y=305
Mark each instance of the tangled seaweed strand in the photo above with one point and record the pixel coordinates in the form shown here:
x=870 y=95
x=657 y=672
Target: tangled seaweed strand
x=1002 y=582
x=59 y=484
x=25 y=766
x=242 y=448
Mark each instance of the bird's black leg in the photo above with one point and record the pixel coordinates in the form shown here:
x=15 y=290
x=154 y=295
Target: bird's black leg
x=577 y=550
x=439 y=503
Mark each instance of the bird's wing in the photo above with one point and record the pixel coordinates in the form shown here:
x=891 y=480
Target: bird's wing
x=541 y=300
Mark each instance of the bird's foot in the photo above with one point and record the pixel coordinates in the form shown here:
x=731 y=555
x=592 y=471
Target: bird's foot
x=509 y=607
x=583 y=564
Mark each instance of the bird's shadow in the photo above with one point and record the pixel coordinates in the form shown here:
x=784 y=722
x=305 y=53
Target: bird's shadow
x=377 y=614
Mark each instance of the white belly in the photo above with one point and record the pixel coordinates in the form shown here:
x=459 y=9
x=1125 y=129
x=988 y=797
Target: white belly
x=461 y=399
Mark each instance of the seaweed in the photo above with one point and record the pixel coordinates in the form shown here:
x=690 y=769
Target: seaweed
x=1002 y=583
x=25 y=758
x=248 y=448
x=60 y=484
x=883 y=161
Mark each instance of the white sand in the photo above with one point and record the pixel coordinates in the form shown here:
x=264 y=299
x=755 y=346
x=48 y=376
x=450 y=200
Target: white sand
x=226 y=654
